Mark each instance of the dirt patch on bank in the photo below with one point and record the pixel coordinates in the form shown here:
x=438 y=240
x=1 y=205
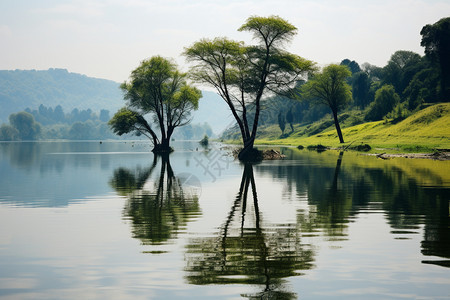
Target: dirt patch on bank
x=438 y=155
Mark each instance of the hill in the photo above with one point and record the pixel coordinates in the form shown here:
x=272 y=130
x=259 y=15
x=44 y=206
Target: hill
x=20 y=89
x=425 y=130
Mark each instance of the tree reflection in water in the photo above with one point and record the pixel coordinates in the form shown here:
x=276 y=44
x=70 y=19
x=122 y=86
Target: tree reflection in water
x=160 y=206
x=363 y=184
x=248 y=251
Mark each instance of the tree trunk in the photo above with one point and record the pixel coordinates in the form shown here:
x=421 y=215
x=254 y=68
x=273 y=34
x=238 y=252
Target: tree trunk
x=163 y=147
x=249 y=153
x=338 y=128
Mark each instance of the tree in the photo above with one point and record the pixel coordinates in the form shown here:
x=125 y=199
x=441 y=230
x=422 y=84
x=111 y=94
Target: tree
x=385 y=100
x=8 y=133
x=360 y=89
x=436 y=40
x=204 y=141
x=59 y=115
x=331 y=89
x=104 y=115
x=26 y=125
x=242 y=74
x=422 y=88
x=352 y=65
x=82 y=130
x=290 y=119
x=375 y=73
x=158 y=89
x=400 y=69
x=281 y=121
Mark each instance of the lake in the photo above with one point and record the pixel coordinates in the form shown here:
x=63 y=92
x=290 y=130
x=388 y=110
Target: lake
x=91 y=220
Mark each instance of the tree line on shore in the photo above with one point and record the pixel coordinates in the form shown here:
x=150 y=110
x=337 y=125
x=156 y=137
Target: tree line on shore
x=47 y=123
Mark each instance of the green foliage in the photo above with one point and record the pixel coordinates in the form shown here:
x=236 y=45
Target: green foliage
x=26 y=126
x=126 y=121
x=62 y=126
x=399 y=112
x=424 y=130
x=360 y=89
x=274 y=29
x=9 y=133
x=318 y=126
x=400 y=69
x=375 y=73
x=385 y=100
x=352 y=65
x=406 y=84
x=104 y=115
x=156 y=215
x=243 y=74
x=281 y=121
x=331 y=89
x=204 y=141
x=49 y=116
x=318 y=148
x=436 y=40
x=361 y=147
x=81 y=131
x=290 y=119
x=422 y=88
x=158 y=89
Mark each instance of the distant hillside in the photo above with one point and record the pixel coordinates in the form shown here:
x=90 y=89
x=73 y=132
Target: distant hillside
x=20 y=89
x=213 y=110
x=425 y=130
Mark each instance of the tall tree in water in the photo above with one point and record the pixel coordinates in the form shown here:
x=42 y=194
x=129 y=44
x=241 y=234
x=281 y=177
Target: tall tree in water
x=158 y=89
x=243 y=74
x=330 y=88
x=436 y=40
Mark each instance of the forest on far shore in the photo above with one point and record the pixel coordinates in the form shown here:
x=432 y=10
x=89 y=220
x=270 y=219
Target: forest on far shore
x=47 y=123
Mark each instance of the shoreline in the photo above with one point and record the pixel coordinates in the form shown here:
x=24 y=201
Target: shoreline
x=442 y=156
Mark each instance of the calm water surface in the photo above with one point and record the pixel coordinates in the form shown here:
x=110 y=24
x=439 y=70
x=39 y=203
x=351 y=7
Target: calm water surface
x=90 y=220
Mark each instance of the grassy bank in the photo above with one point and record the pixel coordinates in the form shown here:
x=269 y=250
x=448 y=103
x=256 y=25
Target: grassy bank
x=424 y=131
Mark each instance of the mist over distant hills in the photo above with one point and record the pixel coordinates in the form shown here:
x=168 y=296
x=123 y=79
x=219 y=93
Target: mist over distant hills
x=20 y=89
x=213 y=110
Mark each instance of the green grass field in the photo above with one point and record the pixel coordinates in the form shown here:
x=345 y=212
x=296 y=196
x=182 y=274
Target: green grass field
x=424 y=131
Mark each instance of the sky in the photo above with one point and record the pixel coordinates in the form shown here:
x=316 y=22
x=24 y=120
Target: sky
x=109 y=38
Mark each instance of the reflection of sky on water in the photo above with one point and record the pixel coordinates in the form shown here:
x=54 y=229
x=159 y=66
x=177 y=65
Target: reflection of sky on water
x=66 y=233
x=56 y=174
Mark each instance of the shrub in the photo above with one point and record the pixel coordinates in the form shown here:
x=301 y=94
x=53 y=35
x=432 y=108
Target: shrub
x=385 y=100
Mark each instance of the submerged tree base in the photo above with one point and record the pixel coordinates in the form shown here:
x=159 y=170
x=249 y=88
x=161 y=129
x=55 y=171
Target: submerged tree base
x=250 y=155
x=255 y=155
x=161 y=149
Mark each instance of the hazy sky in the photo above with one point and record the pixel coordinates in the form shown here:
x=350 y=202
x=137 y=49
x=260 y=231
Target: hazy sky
x=108 y=38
